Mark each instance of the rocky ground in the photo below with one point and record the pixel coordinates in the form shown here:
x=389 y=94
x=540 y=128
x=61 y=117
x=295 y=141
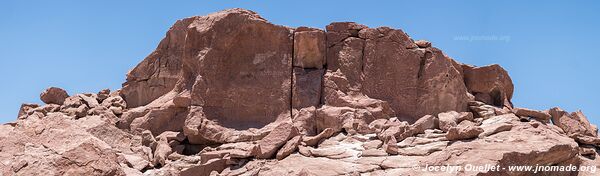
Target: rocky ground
x=232 y=94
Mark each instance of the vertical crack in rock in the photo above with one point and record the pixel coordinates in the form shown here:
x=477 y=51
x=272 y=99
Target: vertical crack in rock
x=213 y=97
x=292 y=77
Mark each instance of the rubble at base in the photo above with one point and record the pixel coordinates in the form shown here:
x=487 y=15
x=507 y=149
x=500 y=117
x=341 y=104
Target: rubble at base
x=237 y=95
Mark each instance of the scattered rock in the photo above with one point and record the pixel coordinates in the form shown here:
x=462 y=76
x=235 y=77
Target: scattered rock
x=314 y=140
x=54 y=95
x=390 y=146
x=26 y=108
x=136 y=162
x=231 y=94
x=270 y=144
x=463 y=132
x=290 y=147
x=374 y=144
x=572 y=123
x=539 y=115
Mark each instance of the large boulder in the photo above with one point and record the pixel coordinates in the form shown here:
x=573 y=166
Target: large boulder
x=539 y=115
x=270 y=144
x=489 y=84
x=54 y=95
x=234 y=67
x=238 y=67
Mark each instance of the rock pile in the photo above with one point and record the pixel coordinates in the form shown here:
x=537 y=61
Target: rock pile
x=232 y=94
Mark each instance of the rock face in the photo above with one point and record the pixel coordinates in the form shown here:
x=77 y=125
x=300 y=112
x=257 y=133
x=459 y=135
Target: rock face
x=231 y=94
x=385 y=64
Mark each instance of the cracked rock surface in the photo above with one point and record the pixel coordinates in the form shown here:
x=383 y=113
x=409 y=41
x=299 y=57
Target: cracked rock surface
x=230 y=93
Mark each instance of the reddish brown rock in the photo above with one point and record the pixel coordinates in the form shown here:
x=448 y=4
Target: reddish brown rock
x=423 y=43
x=158 y=73
x=257 y=88
x=162 y=151
x=309 y=48
x=103 y=95
x=573 y=123
x=290 y=147
x=206 y=169
x=226 y=93
x=200 y=130
x=54 y=95
x=314 y=140
x=396 y=131
x=26 y=108
x=490 y=84
x=257 y=68
x=389 y=145
x=463 y=132
x=168 y=117
x=449 y=119
x=424 y=123
x=270 y=144
x=539 y=115
x=427 y=82
x=306 y=89
x=304 y=120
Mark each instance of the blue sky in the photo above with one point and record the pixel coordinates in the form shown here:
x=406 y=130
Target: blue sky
x=550 y=48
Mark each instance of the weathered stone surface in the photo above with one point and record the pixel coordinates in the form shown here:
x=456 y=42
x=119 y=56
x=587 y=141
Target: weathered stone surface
x=424 y=123
x=314 y=140
x=258 y=84
x=306 y=90
x=373 y=144
x=389 y=145
x=426 y=81
x=290 y=147
x=423 y=43
x=54 y=95
x=495 y=128
x=158 y=73
x=463 y=132
x=309 y=48
x=573 y=123
x=396 y=131
x=489 y=84
x=168 y=117
x=26 y=109
x=231 y=94
x=257 y=88
x=54 y=145
x=304 y=120
x=136 y=162
x=162 y=151
x=522 y=145
x=448 y=120
x=206 y=169
x=270 y=144
x=539 y=115
x=321 y=166
x=422 y=150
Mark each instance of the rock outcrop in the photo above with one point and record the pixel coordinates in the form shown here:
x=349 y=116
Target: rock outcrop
x=231 y=94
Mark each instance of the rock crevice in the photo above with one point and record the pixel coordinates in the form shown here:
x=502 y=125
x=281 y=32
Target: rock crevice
x=231 y=94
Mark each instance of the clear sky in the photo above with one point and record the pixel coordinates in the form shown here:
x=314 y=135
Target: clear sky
x=550 y=48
